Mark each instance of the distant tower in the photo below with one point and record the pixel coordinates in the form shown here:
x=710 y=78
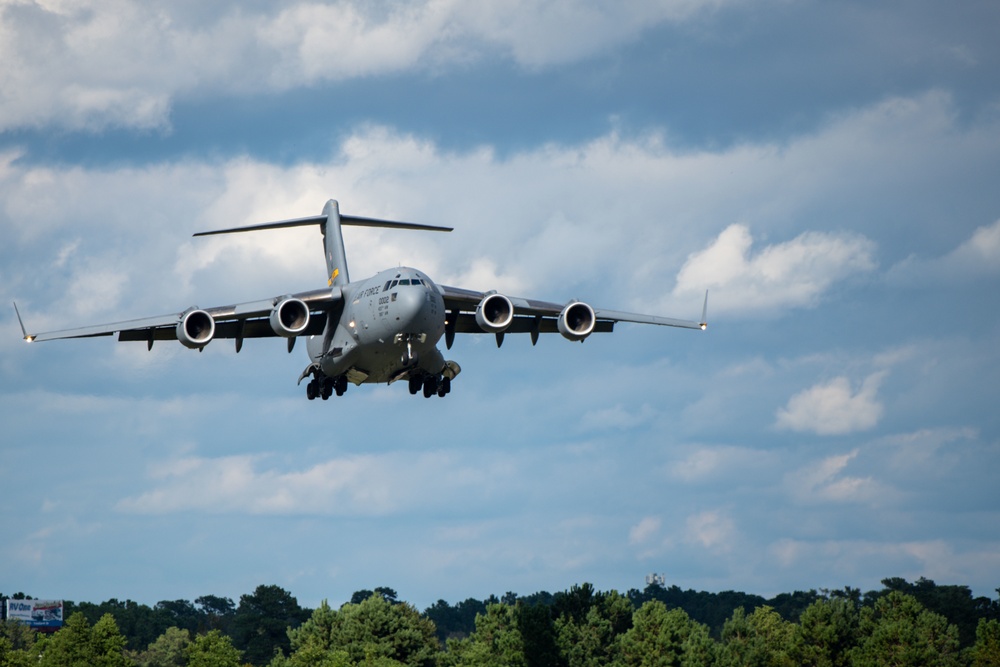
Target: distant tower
x=655 y=579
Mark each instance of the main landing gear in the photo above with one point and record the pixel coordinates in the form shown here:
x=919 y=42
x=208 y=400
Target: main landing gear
x=321 y=386
x=431 y=384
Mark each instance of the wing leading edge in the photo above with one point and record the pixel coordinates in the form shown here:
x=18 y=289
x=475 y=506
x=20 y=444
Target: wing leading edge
x=538 y=317
x=239 y=321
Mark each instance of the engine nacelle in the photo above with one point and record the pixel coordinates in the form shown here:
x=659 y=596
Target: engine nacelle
x=576 y=321
x=494 y=313
x=290 y=318
x=196 y=328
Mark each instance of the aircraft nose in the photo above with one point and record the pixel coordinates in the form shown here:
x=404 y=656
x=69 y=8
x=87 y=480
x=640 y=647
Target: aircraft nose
x=409 y=303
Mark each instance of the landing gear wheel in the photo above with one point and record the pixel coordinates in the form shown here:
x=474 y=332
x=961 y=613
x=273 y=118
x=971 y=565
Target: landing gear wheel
x=340 y=385
x=415 y=383
x=312 y=389
x=430 y=386
x=444 y=388
x=327 y=388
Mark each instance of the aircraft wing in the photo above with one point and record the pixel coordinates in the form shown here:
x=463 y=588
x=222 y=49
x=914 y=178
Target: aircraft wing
x=534 y=317
x=239 y=321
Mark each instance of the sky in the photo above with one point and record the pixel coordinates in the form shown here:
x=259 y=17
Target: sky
x=827 y=171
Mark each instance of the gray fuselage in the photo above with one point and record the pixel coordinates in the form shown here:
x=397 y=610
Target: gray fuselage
x=390 y=323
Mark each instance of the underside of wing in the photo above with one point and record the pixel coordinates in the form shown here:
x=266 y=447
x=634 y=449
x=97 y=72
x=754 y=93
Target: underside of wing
x=490 y=312
x=286 y=316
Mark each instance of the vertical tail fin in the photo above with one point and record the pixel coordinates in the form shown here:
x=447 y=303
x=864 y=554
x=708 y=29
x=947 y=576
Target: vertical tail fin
x=333 y=245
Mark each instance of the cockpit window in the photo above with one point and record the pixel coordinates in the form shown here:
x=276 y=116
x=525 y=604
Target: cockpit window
x=392 y=284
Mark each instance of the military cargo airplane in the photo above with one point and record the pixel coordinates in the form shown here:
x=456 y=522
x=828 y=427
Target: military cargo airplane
x=382 y=329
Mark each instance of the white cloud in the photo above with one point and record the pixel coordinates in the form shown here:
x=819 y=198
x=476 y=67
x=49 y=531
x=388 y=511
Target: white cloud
x=982 y=250
x=95 y=291
x=37 y=548
x=616 y=417
x=94 y=64
x=712 y=529
x=538 y=34
x=645 y=530
x=710 y=463
x=825 y=481
x=362 y=485
x=976 y=257
x=795 y=273
x=834 y=408
x=923 y=449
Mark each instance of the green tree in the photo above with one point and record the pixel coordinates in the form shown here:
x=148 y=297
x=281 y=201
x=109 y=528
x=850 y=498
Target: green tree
x=662 y=638
x=373 y=632
x=712 y=609
x=78 y=644
x=955 y=603
x=168 y=650
x=538 y=635
x=261 y=623
x=574 y=603
x=792 y=605
x=313 y=643
x=19 y=635
x=898 y=631
x=140 y=624
x=17 y=645
x=457 y=621
x=387 y=593
x=11 y=657
x=496 y=641
x=587 y=643
x=592 y=640
x=986 y=651
x=826 y=633
x=216 y=613
x=212 y=650
x=179 y=614
x=762 y=639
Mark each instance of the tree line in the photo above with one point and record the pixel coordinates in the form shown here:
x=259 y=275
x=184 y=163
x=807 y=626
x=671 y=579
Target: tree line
x=918 y=623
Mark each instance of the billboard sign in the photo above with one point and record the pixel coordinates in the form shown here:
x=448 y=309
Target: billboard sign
x=36 y=613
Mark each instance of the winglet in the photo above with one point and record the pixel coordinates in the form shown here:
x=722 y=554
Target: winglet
x=27 y=336
x=704 y=313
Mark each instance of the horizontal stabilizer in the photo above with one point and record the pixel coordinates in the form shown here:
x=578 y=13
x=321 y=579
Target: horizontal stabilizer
x=321 y=219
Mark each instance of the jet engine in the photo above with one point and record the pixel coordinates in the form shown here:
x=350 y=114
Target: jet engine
x=576 y=321
x=290 y=318
x=196 y=328
x=494 y=313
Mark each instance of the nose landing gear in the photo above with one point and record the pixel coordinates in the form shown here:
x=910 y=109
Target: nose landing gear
x=409 y=356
